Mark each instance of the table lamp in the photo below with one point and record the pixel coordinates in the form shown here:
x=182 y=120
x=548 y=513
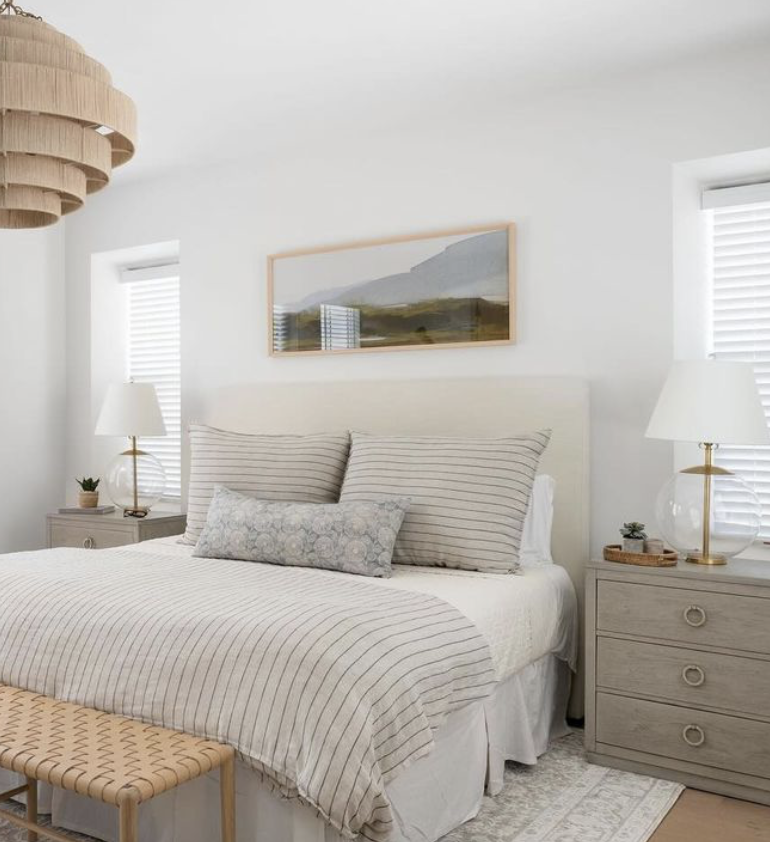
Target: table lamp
x=135 y=479
x=708 y=513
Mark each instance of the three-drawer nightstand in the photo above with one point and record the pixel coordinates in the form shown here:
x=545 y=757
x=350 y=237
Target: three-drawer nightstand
x=678 y=673
x=98 y=532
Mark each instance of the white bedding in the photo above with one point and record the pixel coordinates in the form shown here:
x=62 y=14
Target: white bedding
x=522 y=617
x=327 y=685
x=435 y=795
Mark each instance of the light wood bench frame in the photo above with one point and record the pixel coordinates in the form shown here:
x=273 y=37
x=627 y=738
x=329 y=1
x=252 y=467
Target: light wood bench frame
x=107 y=758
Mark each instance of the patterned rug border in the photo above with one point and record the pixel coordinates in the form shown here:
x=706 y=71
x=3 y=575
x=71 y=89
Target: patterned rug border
x=653 y=808
x=566 y=799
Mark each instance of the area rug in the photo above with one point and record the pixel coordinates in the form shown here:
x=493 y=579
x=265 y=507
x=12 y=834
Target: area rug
x=566 y=799
x=562 y=799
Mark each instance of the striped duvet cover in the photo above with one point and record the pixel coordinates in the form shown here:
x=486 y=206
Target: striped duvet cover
x=326 y=684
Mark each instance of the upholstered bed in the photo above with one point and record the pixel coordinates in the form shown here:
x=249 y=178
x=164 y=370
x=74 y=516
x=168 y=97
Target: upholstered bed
x=373 y=708
x=88 y=648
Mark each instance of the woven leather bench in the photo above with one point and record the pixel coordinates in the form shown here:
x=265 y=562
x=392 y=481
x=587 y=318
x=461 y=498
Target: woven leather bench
x=108 y=758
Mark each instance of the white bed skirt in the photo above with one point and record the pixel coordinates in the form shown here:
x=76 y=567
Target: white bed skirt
x=432 y=797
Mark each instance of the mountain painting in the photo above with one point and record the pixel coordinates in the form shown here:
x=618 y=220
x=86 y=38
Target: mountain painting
x=430 y=291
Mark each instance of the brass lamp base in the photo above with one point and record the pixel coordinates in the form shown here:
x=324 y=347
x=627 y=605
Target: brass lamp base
x=712 y=558
x=135 y=512
x=707 y=470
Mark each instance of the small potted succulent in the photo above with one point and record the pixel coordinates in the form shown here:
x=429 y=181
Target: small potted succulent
x=633 y=537
x=88 y=496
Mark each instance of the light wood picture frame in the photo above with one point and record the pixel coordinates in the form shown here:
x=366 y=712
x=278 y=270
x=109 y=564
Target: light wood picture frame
x=445 y=289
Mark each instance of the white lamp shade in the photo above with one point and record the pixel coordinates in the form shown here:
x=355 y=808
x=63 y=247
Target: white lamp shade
x=131 y=409
x=710 y=401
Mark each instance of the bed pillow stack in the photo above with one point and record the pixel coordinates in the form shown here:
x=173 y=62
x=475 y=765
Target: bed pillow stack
x=469 y=495
x=303 y=469
x=535 y=550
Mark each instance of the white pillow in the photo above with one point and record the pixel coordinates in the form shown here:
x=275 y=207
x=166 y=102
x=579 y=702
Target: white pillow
x=536 y=534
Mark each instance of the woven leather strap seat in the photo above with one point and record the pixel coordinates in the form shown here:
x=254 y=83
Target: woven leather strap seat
x=108 y=758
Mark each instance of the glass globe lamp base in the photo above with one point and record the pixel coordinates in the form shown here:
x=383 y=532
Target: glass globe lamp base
x=708 y=513
x=135 y=482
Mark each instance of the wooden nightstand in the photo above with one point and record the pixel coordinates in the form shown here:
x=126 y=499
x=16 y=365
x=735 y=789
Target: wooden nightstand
x=97 y=532
x=678 y=673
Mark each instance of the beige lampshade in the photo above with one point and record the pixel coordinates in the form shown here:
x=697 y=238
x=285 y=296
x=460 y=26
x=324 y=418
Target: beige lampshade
x=131 y=409
x=710 y=401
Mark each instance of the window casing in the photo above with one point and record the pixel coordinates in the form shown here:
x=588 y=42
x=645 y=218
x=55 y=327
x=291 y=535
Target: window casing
x=153 y=355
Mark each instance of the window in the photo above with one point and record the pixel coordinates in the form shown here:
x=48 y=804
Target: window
x=154 y=356
x=740 y=316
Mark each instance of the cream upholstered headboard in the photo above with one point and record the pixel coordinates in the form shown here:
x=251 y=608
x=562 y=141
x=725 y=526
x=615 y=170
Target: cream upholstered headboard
x=479 y=406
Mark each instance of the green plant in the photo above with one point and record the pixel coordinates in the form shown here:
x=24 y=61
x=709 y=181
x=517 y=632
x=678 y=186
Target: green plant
x=89 y=484
x=633 y=530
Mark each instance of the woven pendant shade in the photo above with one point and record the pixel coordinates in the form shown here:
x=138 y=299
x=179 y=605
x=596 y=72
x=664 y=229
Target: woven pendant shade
x=63 y=127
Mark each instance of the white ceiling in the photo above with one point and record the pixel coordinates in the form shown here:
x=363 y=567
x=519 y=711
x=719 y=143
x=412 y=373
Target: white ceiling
x=218 y=80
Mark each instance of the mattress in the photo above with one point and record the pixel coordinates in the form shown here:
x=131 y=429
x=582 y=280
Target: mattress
x=522 y=617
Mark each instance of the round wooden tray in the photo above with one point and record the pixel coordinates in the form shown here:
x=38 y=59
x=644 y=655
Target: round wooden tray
x=615 y=552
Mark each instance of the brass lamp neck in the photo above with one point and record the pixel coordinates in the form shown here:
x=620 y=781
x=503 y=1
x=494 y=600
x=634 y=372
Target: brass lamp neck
x=707 y=470
x=708 y=467
x=134 y=453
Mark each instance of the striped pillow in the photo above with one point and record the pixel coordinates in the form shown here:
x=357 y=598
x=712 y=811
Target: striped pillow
x=302 y=469
x=469 y=496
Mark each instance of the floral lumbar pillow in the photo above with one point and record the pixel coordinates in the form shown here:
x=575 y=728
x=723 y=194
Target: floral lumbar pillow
x=355 y=537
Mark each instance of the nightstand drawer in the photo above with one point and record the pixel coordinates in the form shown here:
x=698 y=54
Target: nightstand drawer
x=680 y=733
x=727 y=682
x=715 y=619
x=89 y=538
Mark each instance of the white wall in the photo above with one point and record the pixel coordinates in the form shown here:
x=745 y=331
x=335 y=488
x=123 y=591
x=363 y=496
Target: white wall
x=586 y=175
x=32 y=384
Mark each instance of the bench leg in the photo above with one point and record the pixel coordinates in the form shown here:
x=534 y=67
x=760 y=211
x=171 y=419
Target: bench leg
x=227 y=790
x=31 y=808
x=129 y=822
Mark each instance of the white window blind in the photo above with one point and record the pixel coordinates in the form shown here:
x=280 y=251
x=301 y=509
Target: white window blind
x=740 y=322
x=154 y=356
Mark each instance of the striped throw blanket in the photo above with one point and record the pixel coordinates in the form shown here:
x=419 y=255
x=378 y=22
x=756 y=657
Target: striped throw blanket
x=326 y=684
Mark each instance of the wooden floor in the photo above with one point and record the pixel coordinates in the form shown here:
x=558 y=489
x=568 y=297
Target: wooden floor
x=703 y=817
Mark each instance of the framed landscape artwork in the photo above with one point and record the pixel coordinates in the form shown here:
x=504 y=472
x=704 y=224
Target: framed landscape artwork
x=442 y=290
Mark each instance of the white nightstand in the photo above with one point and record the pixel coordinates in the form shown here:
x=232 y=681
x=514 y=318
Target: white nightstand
x=678 y=673
x=94 y=532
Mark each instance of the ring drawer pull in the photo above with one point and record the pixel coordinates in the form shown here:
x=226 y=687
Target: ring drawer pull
x=694 y=616
x=88 y=544
x=693 y=735
x=693 y=675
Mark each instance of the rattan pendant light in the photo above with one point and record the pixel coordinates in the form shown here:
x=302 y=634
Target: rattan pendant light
x=63 y=127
